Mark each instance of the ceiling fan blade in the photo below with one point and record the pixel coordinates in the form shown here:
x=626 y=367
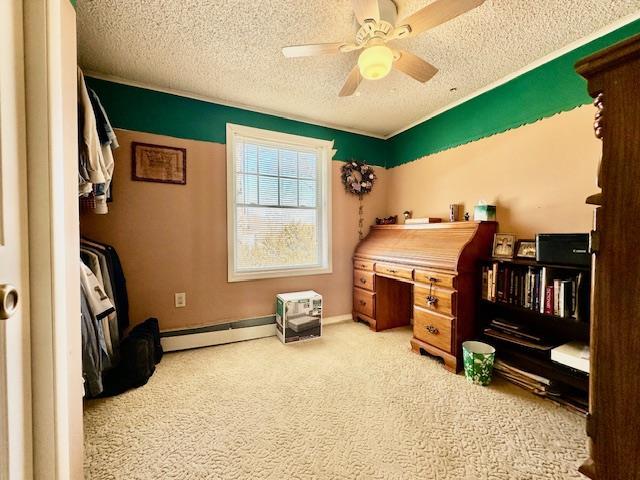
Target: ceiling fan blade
x=415 y=67
x=438 y=12
x=366 y=9
x=352 y=82
x=310 y=50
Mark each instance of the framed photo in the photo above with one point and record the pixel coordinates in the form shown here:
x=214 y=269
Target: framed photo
x=157 y=163
x=504 y=245
x=526 y=249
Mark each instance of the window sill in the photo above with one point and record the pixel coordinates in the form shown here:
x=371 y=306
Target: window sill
x=233 y=277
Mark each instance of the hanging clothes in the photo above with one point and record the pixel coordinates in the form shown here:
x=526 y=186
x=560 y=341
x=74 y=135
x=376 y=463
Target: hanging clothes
x=110 y=263
x=92 y=260
x=108 y=142
x=99 y=303
x=96 y=139
x=104 y=316
x=90 y=152
x=106 y=134
x=97 y=349
x=91 y=351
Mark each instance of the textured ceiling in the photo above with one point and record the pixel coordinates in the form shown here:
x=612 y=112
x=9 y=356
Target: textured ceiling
x=230 y=50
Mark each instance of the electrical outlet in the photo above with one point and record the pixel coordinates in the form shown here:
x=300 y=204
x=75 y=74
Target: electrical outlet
x=181 y=299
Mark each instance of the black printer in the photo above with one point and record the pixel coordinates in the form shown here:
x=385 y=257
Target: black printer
x=563 y=248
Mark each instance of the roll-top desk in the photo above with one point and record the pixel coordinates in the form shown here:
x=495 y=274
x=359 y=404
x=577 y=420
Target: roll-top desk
x=425 y=272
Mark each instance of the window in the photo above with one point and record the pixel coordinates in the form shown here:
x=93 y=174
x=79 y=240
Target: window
x=278 y=204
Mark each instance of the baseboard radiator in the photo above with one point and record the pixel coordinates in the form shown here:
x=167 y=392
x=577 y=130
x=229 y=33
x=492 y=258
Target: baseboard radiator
x=238 y=331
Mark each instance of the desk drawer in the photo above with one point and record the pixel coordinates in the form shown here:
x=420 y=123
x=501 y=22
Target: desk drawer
x=362 y=279
x=394 y=271
x=364 y=302
x=435 y=298
x=433 y=328
x=437 y=278
x=363 y=265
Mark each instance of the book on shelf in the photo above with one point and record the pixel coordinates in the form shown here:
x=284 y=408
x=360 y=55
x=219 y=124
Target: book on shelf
x=556 y=296
x=547 y=290
x=548 y=300
x=517 y=339
x=566 y=299
x=485 y=284
x=573 y=354
x=514 y=329
x=543 y=289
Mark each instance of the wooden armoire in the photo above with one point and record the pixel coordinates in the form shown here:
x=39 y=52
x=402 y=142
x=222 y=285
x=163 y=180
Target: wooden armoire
x=613 y=424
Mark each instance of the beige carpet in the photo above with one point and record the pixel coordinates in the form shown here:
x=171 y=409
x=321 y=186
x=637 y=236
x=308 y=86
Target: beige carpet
x=352 y=405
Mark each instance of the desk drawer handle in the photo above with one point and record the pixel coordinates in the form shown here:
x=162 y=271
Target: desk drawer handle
x=431 y=300
x=363 y=303
x=433 y=330
x=363 y=280
x=434 y=279
x=391 y=270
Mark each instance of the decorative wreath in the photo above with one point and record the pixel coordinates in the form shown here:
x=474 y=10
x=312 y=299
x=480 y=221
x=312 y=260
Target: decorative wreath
x=357 y=177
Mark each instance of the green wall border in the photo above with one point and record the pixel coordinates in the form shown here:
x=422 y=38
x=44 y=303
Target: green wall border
x=151 y=111
x=544 y=91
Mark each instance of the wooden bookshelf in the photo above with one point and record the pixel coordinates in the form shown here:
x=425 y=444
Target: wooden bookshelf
x=565 y=327
x=533 y=263
x=554 y=329
x=545 y=367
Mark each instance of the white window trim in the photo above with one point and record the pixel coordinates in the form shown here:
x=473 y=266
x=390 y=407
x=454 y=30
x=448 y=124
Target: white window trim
x=325 y=158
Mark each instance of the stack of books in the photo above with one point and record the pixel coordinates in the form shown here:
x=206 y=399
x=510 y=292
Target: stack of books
x=516 y=334
x=541 y=289
x=530 y=381
x=541 y=386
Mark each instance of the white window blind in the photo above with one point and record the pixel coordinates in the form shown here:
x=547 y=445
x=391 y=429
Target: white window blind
x=278 y=204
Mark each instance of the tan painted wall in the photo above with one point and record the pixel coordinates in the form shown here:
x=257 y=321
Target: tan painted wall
x=538 y=176
x=173 y=239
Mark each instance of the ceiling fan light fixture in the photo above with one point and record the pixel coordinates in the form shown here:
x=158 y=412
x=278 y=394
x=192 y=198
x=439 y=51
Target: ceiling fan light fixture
x=375 y=62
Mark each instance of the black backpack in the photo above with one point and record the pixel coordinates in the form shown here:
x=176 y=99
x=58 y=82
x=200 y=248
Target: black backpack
x=139 y=353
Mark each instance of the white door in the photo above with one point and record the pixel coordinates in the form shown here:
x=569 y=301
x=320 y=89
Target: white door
x=15 y=378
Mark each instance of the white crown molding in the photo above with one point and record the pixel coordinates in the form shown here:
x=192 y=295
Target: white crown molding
x=203 y=98
x=547 y=58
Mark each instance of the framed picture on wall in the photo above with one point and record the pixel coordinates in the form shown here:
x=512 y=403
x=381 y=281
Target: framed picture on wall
x=158 y=163
x=504 y=245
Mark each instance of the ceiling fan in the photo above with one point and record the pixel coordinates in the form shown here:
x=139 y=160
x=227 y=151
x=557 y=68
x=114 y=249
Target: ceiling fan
x=377 y=20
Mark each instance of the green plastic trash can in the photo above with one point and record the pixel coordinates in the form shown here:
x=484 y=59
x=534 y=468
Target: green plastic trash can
x=478 y=362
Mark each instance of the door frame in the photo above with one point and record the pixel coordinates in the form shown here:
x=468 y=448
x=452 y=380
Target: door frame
x=15 y=357
x=52 y=158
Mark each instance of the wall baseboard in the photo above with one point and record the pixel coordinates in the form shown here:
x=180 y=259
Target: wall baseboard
x=174 y=340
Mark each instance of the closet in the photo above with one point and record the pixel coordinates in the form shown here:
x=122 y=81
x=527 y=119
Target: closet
x=111 y=361
x=613 y=424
